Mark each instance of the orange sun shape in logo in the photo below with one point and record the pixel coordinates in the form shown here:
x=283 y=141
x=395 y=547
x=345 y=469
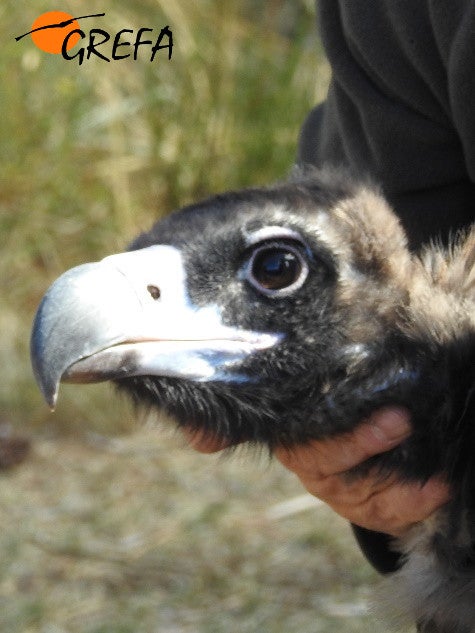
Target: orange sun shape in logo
x=52 y=31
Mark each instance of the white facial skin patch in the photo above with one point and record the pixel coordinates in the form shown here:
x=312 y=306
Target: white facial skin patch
x=131 y=315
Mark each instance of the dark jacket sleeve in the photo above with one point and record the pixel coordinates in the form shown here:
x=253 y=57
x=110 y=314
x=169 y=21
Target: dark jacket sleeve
x=401 y=109
x=400 y=106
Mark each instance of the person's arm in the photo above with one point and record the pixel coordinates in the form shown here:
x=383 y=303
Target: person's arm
x=400 y=107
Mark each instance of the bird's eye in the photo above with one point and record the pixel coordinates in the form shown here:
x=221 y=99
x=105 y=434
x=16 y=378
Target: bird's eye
x=277 y=269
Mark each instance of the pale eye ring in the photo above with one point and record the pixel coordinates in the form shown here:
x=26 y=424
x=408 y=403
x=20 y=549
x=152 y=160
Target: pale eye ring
x=276 y=269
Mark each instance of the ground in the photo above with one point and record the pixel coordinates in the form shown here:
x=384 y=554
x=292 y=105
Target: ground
x=140 y=534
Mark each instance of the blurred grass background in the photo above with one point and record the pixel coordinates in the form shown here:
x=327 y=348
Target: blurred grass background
x=112 y=526
x=92 y=155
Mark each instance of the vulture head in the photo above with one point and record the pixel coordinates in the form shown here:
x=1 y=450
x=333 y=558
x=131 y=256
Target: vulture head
x=283 y=314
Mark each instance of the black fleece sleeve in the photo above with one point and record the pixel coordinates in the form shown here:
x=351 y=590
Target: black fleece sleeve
x=400 y=107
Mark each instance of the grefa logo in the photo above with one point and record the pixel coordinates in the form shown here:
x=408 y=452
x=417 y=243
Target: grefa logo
x=58 y=32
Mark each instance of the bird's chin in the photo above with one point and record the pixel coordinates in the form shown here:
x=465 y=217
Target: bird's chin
x=206 y=441
x=212 y=415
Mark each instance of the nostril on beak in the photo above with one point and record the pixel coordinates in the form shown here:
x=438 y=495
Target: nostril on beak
x=154 y=292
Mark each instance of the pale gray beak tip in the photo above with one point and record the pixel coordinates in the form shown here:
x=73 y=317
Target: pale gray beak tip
x=45 y=373
x=58 y=336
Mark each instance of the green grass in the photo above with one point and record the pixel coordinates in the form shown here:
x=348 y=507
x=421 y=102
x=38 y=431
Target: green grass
x=138 y=534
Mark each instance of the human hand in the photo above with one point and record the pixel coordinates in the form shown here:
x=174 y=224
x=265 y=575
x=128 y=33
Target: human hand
x=384 y=505
x=380 y=504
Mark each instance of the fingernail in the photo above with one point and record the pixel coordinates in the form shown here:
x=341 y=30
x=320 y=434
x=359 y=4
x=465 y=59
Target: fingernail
x=390 y=424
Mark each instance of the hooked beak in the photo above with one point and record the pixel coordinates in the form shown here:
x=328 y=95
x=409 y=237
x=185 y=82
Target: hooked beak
x=130 y=315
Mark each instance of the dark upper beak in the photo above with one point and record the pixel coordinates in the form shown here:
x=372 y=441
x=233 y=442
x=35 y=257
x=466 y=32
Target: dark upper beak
x=128 y=315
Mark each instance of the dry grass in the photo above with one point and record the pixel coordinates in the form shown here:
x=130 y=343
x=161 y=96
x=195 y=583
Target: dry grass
x=141 y=535
x=135 y=533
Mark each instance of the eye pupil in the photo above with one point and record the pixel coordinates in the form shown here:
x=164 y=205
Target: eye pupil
x=276 y=268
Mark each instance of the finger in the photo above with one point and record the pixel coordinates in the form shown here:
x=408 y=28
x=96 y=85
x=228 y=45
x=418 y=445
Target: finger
x=396 y=508
x=383 y=430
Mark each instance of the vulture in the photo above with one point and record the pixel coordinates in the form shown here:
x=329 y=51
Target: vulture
x=288 y=313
